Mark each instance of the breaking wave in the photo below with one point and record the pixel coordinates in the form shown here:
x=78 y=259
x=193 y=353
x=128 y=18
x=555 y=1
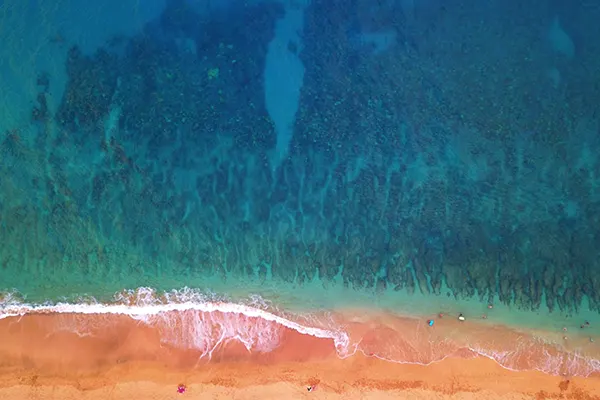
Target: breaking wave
x=189 y=319
x=185 y=318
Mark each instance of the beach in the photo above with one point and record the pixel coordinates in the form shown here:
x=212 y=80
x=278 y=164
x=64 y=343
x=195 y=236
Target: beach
x=360 y=378
x=45 y=357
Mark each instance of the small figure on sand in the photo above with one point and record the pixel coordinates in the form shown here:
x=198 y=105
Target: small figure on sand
x=430 y=322
x=461 y=317
x=181 y=389
x=312 y=384
x=311 y=388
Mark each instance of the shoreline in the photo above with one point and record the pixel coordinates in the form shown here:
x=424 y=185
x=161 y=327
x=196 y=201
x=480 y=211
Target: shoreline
x=51 y=356
x=208 y=328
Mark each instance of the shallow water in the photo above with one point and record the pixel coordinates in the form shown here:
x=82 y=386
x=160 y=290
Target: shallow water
x=186 y=321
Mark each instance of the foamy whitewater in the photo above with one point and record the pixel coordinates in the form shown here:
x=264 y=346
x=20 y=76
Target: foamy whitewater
x=192 y=320
x=188 y=321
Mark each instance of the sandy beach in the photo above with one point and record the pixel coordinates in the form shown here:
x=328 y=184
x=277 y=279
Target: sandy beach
x=125 y=359
x=358 y=378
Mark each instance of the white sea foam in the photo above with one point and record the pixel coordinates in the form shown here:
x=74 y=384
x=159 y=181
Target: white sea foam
x=186 y=316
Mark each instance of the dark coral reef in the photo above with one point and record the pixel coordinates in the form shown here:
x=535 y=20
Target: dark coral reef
x=410 y=167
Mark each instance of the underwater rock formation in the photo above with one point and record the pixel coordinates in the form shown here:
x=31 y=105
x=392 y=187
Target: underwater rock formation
x=387 y=186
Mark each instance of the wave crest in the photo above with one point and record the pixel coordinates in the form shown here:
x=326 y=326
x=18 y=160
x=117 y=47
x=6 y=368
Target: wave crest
x=185 y=318
x=205 y=322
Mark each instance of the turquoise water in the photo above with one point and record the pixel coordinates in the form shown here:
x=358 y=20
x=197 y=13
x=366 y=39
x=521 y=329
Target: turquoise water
x=319 y=155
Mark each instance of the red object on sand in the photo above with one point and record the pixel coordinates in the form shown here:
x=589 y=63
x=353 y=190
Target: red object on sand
x=181 y=389
x=312 y=384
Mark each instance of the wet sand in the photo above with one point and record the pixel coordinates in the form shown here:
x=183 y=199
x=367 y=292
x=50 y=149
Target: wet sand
x=125 y=359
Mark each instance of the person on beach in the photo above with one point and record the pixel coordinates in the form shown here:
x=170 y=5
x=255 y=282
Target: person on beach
x=312 y=384
x=181 y=389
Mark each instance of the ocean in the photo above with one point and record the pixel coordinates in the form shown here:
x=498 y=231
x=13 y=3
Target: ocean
x=357 y=174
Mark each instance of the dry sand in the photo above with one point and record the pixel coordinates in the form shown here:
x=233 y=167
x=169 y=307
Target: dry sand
x=128 y=361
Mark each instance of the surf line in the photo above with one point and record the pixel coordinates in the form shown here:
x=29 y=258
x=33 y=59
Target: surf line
x=340 y=338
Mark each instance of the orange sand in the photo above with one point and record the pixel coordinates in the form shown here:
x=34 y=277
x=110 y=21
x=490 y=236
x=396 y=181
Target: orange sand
x=128 y=361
